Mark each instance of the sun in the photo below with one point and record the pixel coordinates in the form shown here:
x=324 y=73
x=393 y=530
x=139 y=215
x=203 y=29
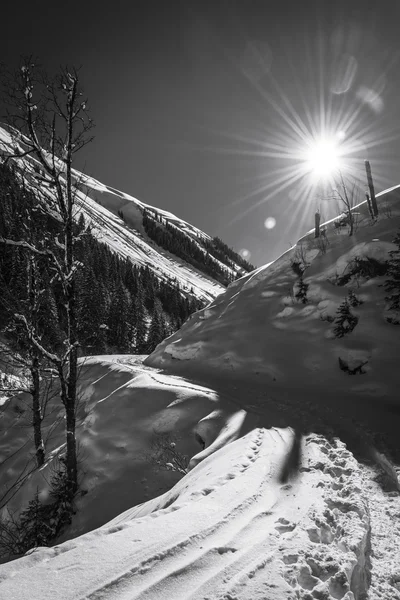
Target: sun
x=322 y=157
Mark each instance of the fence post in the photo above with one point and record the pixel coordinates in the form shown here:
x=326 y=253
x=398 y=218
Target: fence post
x=317 y=223
x=374 y=204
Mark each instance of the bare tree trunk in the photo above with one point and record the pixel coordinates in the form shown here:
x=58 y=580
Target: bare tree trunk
x=348 y=204
x=55 y=123
x=35 y=366
x=72 y=381
x=37 y=413
x=351 y=222
x=71 y=463
x=72 y=468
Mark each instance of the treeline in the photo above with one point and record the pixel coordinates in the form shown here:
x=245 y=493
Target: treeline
x=203 y=257
x=221 y=251
x=121 y=307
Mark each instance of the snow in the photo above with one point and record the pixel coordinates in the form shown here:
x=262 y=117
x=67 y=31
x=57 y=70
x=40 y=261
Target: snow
x=100 y=205
x=232 y=390
x=227 y=530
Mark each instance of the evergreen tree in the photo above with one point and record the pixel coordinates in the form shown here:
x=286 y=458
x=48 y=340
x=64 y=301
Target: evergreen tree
x=345 y=322
x=301 y=293
x=140 y=323
x=353 y=299
x=91 y=313
x=157 y=329
x=392 y=283
x=96 y=283
x=33 y=529
x=118 y=332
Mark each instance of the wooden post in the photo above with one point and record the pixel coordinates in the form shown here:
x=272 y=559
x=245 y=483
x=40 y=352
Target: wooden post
x=369 y=205
x=317 y=223
x=371 y=189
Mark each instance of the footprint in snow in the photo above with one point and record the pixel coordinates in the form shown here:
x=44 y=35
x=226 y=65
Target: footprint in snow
x=284 y=526
x=225 y=549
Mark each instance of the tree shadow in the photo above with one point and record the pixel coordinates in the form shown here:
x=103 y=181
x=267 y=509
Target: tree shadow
x=369 y=429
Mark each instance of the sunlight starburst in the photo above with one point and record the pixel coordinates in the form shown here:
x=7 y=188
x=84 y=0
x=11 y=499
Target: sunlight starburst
x=323 y=157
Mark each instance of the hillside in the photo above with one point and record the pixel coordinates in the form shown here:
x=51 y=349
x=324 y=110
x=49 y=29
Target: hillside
x=269 y=357
x=117 y=221
x=254 y=332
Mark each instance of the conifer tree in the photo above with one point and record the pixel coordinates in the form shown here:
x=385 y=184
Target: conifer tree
x=91 y=313
x=345 y=322
x=301 y=293
x=157 y=329
x=117 y=318
x=353 y=299
x=392 y=283
x=140 y=325
x=33 y=528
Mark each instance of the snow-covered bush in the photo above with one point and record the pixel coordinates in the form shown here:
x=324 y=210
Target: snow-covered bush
x=344 y=366
x=365 y=267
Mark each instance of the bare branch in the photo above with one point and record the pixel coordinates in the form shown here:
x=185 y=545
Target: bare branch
x=29 y=330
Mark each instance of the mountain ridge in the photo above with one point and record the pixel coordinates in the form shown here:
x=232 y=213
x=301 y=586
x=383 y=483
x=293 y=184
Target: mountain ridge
x=103 y=205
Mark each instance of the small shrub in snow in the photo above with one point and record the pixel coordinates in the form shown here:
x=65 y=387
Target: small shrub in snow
x=297 y=267
x=165 y=454
x=299 y=262
x=322 y=242
x=344 y=366
x=345 y=322
x=362 y=267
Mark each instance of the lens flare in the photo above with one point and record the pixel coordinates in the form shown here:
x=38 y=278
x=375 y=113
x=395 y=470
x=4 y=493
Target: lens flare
x=270 y=223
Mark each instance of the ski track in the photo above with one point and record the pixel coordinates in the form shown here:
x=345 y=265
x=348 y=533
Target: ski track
x=125 y=586
x=229 y=556
x=256 y=539
x=149 y=372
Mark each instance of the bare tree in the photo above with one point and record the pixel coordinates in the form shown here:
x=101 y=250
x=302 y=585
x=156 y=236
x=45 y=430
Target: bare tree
x=345 y=193
x=49 y=124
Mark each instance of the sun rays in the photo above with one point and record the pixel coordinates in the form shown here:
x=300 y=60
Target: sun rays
x=321 y=121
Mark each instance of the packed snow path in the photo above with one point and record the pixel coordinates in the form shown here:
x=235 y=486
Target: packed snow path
x=228 y=530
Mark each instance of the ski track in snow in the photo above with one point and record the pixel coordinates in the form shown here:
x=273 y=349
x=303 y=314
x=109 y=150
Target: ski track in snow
x=242 y=536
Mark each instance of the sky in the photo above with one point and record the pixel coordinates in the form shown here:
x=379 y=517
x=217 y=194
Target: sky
x=209 y=109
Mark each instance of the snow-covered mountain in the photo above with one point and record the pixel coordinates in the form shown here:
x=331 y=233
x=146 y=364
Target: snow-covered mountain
x=269 y=353
x=117 y=220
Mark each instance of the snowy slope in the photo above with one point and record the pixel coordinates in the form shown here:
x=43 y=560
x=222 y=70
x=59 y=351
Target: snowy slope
x=227 y=530
x=101 y=203
x=237 y=374
x=126 y=410
x=257 y=331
